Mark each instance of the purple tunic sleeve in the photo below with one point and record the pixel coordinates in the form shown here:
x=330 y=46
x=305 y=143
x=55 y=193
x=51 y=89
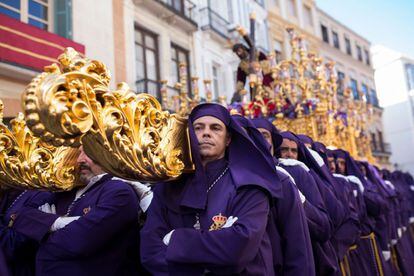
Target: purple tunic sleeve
x=348 y=232
x=333 y=206
x=153 y=249
x=3 y=264
x=294 y=234
x=31 y=222
x=317 y=217
x=228 y=248
x=376 y=205
x=116 y=209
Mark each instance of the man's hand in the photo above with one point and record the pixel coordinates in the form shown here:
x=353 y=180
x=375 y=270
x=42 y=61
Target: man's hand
x=46 y=208
x=167 y=238
x=61 y=222
x=230 y=221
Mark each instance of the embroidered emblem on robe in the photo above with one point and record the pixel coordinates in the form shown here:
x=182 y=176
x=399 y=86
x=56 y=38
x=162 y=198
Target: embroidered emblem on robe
x=86 y=210
x=218 y=222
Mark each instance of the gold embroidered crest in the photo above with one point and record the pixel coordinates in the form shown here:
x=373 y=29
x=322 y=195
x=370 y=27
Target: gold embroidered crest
x=86 y=210
x=218 y=222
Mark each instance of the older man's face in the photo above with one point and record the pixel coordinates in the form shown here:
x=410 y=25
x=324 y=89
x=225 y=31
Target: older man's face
x=341 y=165
x=87 y=168
x=363 y=169
x=332 y=164
x=289 y=149
x=212 y=137
x=267 y=136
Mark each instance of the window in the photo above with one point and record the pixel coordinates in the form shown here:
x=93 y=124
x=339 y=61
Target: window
x=261 y=35
x=278 y=48
x=335 y=39
x=34 y=12
x=367 y=59
x=63 y=18
x=359 y=52
x=10 y=8
x=348 y=46
x=354 y=88
x=292 y=8
x=146 y=61
x=341 y=82
x=179 y=55
x=308 y=16
x=230 y=11
x=409 y=68
x=381 y=141
x=373 y=142
x=365 y=94
x=373 y=97
x=260 y=2
x=325 y=35
x=215 y=72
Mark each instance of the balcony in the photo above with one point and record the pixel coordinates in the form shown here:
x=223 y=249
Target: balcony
x=210 y=20
x=381 y=150
x=28 y=48
x=181 y=13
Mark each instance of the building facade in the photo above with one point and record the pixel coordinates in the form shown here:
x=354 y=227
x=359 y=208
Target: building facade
x=351 y=54
x=34 y=33
x=143 y=42
x=394 y=77
x=301 y=14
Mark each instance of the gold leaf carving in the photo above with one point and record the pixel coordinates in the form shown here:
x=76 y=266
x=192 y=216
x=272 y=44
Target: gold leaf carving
x=128 y=134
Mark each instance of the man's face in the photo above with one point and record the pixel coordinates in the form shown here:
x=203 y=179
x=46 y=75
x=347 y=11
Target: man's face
x=341 y=165
x=332 y=165
x=268 y=137
x=212 y=137
x=241 y=53
x=289 y=149
x=87 y=168
x=363 y=169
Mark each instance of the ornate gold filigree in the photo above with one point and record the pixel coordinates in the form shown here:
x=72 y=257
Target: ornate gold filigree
x=305 y=101
x=128 y=134
x=27 y=162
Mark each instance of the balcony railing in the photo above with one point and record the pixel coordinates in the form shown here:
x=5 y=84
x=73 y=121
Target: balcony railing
x=384 y=149
x=210 y=19
x=184 y=8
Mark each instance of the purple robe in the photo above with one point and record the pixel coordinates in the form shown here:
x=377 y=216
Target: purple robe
x=243 y=248
x=19 y=250
x=245 y=182
x=325 y=255
x=316 y=214
x=103 y=241
x=294 y=256
x=367 y=258
x=3 y=264
x=291 y=245
x=349 y=231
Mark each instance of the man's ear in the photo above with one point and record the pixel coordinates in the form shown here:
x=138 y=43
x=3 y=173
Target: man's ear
x=228 y=139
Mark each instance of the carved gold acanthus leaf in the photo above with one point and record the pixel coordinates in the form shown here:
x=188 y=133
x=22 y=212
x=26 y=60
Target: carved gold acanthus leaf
x=27 y=162
x=128 y=134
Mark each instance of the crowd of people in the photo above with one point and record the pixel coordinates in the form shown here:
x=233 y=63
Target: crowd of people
x=260 y=202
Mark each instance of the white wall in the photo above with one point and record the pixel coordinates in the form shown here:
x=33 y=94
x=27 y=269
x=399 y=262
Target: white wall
x=398 y=118
x=94 y=29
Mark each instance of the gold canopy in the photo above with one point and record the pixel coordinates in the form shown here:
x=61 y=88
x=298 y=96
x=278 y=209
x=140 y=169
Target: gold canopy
x=126 y=133
x=27 y=162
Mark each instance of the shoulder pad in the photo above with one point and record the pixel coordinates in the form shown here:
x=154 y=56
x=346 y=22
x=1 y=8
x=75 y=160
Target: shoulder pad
x=282 y=170
x=293 y=162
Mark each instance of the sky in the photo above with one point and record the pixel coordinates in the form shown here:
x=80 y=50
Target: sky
x=386 y=22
